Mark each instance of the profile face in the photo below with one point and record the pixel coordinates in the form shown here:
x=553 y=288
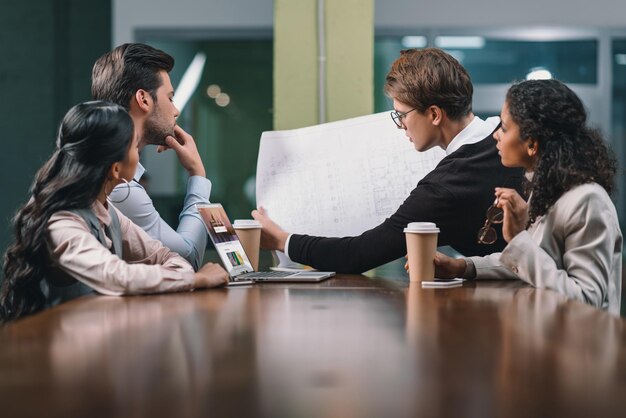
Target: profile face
x=161 y=121
x=417 y=126
x=514 y=152
x=129 y=165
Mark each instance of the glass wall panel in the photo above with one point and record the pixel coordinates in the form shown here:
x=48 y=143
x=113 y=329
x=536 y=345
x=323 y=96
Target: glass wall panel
x=226 y=115
x=496 y=61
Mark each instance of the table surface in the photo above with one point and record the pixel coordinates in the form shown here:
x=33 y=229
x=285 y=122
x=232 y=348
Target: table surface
x=351 y=346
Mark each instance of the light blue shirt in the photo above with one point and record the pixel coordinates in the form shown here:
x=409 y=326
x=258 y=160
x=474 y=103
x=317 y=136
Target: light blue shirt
x=190 y=238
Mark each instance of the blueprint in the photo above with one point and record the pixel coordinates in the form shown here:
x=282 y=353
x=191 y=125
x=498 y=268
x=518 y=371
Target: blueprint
x=340 y=178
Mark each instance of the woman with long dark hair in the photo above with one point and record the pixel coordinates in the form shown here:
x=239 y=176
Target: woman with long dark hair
x=567 y=237
x=69 y=241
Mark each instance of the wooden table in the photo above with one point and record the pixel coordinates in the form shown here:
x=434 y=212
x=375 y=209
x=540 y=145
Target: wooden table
x=348 y=347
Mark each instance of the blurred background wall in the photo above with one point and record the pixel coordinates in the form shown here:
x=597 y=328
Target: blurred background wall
x=47 y=48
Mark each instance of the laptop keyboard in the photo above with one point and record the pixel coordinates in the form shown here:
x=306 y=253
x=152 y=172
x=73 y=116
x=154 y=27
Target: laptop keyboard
x=256 y=274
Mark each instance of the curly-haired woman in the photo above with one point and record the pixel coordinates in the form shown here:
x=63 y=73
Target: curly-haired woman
x=567 y=237
x=69 y=241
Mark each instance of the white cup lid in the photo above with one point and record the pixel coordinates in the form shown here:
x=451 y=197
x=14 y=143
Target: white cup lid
x=246 y=224
x=421 y=228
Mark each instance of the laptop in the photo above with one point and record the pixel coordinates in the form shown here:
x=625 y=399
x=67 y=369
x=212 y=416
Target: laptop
x=234 y=257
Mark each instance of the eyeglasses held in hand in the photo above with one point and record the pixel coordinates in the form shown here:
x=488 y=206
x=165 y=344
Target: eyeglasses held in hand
x=397 y=117
x=487 y=234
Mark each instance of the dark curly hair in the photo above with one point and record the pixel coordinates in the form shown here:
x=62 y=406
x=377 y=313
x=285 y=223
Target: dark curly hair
x=92 y=137
x=569 y=152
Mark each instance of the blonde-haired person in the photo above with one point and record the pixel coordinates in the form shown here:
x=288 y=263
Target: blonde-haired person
x=567 y=238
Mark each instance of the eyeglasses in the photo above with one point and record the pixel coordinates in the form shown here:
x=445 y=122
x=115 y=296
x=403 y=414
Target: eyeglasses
x=397 y=117
x=487 y=234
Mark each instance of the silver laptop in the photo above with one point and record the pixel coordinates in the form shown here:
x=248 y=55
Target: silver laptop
x=234 y=257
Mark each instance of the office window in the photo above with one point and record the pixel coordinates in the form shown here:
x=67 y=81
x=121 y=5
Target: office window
x=496 y=61
x=503 y=61
x=226 y=113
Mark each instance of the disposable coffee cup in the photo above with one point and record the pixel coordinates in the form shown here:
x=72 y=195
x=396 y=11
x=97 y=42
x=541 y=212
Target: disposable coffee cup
x=421 y=245
x=249 y=233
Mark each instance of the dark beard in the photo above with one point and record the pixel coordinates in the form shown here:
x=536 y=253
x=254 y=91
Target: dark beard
x=155 y=134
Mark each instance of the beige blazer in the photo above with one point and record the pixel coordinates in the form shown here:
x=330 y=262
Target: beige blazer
x=575 y=249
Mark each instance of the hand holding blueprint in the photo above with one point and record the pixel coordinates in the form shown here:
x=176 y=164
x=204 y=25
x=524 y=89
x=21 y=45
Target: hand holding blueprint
x=340 y=178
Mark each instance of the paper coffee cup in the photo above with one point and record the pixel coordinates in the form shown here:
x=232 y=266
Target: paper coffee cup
x=421 y=245
x=249 y=233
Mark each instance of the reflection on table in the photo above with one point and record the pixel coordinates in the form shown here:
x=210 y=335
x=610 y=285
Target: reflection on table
x=351 y=346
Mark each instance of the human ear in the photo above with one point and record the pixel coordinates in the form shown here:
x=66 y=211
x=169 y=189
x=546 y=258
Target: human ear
x=143 y=100
x=115 y=171
x=436 y=114
x=533 y=147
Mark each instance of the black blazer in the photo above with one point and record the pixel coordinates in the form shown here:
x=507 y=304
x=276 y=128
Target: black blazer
x=455 y=195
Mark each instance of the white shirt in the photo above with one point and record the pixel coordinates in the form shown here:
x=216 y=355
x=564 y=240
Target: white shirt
x=474 y=132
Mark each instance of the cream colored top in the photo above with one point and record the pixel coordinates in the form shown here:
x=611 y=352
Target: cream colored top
x=575 y=249
x=146 y=265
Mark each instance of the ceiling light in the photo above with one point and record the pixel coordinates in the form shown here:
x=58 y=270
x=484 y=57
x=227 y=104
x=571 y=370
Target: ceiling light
x=539 y=73
x=414 y=41
x=190 y=81
x=620 y=59
x=222 y=100
x=213 y=90
x=460 y=42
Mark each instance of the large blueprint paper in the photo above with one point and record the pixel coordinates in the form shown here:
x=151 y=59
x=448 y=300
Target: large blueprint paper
x=340 y=178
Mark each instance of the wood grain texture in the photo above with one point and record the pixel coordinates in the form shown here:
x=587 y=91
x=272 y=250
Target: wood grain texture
x=348 y=347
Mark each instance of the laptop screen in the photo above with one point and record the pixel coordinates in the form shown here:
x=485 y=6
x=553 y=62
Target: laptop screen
x=225 y=239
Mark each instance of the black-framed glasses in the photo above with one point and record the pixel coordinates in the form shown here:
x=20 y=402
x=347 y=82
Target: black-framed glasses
x=487 y=234
x=397 y=117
